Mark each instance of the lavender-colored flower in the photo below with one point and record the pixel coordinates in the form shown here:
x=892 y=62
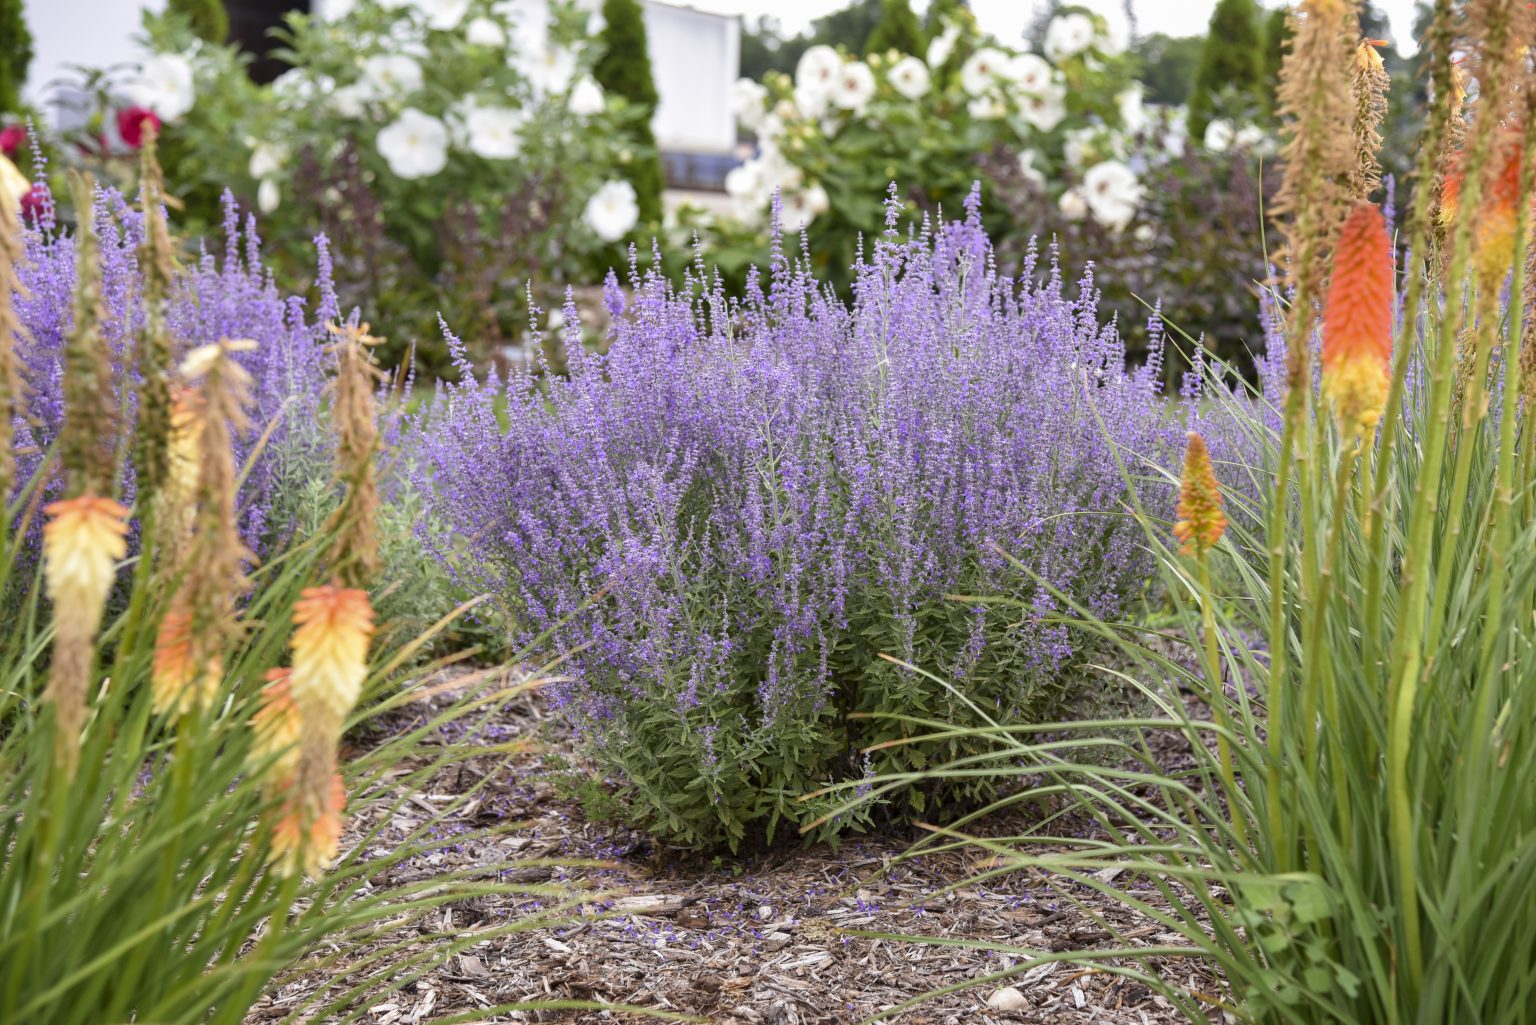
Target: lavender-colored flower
x=732 y=513
x=213 y=298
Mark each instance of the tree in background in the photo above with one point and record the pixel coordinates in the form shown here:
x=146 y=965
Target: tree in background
x=1230 y=80
x=898 y=29
x=1167 y=66
x=1277 y=40
x=940 y=11
x=209 y=18
x=625 y=70
x=15 y=55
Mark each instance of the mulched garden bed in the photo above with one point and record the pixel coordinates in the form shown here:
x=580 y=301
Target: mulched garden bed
x=738 y=942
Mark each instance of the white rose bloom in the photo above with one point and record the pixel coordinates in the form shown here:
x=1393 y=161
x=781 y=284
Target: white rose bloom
x=164 y=85
x=1219 y=135
x=1078 y=146
x=980 y=71
x=987 y=107
x=349 y=100
x=586 y=99
x=390 y=74
x=1248 y=137
x=1031 y=73
x=549 y=69
x=803 y=206
x=748 y=191
x=1029 y=172
x=267 y=159
x=485 y=32
x=613 y=211
x=944 y=45
x=1116 y=37
x=408 y=38
x=853 y=87
x=268 y=196
x=749 y=103
x=1112 y=193
x=1133 y=114
x=335 y=10
x=492 y=132
x=1073 y=205
x=810 y=101
x=1068 y=35
x=1044 y=112
x=771 y=129
x=909 y=77
x=443 y=14
x=415 y=145
x=817 y=68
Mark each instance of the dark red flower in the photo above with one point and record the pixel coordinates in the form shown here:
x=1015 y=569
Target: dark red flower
x=32 y=207
x=12 y=139
x=131 y=122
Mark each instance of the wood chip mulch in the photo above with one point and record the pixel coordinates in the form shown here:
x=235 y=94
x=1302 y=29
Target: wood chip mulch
x=764 y=939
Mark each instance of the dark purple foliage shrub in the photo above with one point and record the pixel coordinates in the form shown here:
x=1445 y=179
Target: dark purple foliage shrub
x=772 y=493
x=229 y=298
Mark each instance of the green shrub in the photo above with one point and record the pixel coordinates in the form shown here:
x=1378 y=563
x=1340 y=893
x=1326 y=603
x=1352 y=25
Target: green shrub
x=15 y=54
x=624 y=69
x=898 y=29
x=1230 y=80
x=209 y=19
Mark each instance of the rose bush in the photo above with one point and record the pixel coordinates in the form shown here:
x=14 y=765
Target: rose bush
x=833 y=136
x=412 y=133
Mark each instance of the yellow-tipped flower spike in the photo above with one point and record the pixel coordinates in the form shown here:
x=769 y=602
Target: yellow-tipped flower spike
x=1201 y=520
x=277 y=726
x=330 y=650
x=178 y=684
x=83 y=541
x=1357 y=321
x=306 y=836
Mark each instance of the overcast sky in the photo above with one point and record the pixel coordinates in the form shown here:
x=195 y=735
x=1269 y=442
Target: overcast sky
x=1006 y=18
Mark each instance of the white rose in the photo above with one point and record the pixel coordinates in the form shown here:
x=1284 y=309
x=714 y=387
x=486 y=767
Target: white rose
x=1249 y=137
x=981 y=69
x=748 y=191
x=492 y=132
x=1073 y=205
x=443 y=14
x=810 y=101
x=1031 y=73
x=1112 y=193
x=549 y=69
x=1133 y=115
x=1219 y=135
x=485 y=32
x=267 y=159
x=749 y=103
x=268 y=196
x=987 y=107
x=390 y=74
x=853 y=87
x=1029 y=172
x=909 y=77
x=1046 y=111
x=817 y=67
x=802 y=207
x=944 y=45
x=613 y=211
x=586 y=99
x=415 y=145
x=164 y=85
x=1078 y=145
x=1068 y=35
x=349 y=100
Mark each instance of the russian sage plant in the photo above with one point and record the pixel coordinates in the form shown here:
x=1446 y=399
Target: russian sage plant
x=732 y=514
x=210 y=299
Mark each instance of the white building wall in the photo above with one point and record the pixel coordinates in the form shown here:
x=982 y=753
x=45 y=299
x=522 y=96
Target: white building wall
x=695 y=57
